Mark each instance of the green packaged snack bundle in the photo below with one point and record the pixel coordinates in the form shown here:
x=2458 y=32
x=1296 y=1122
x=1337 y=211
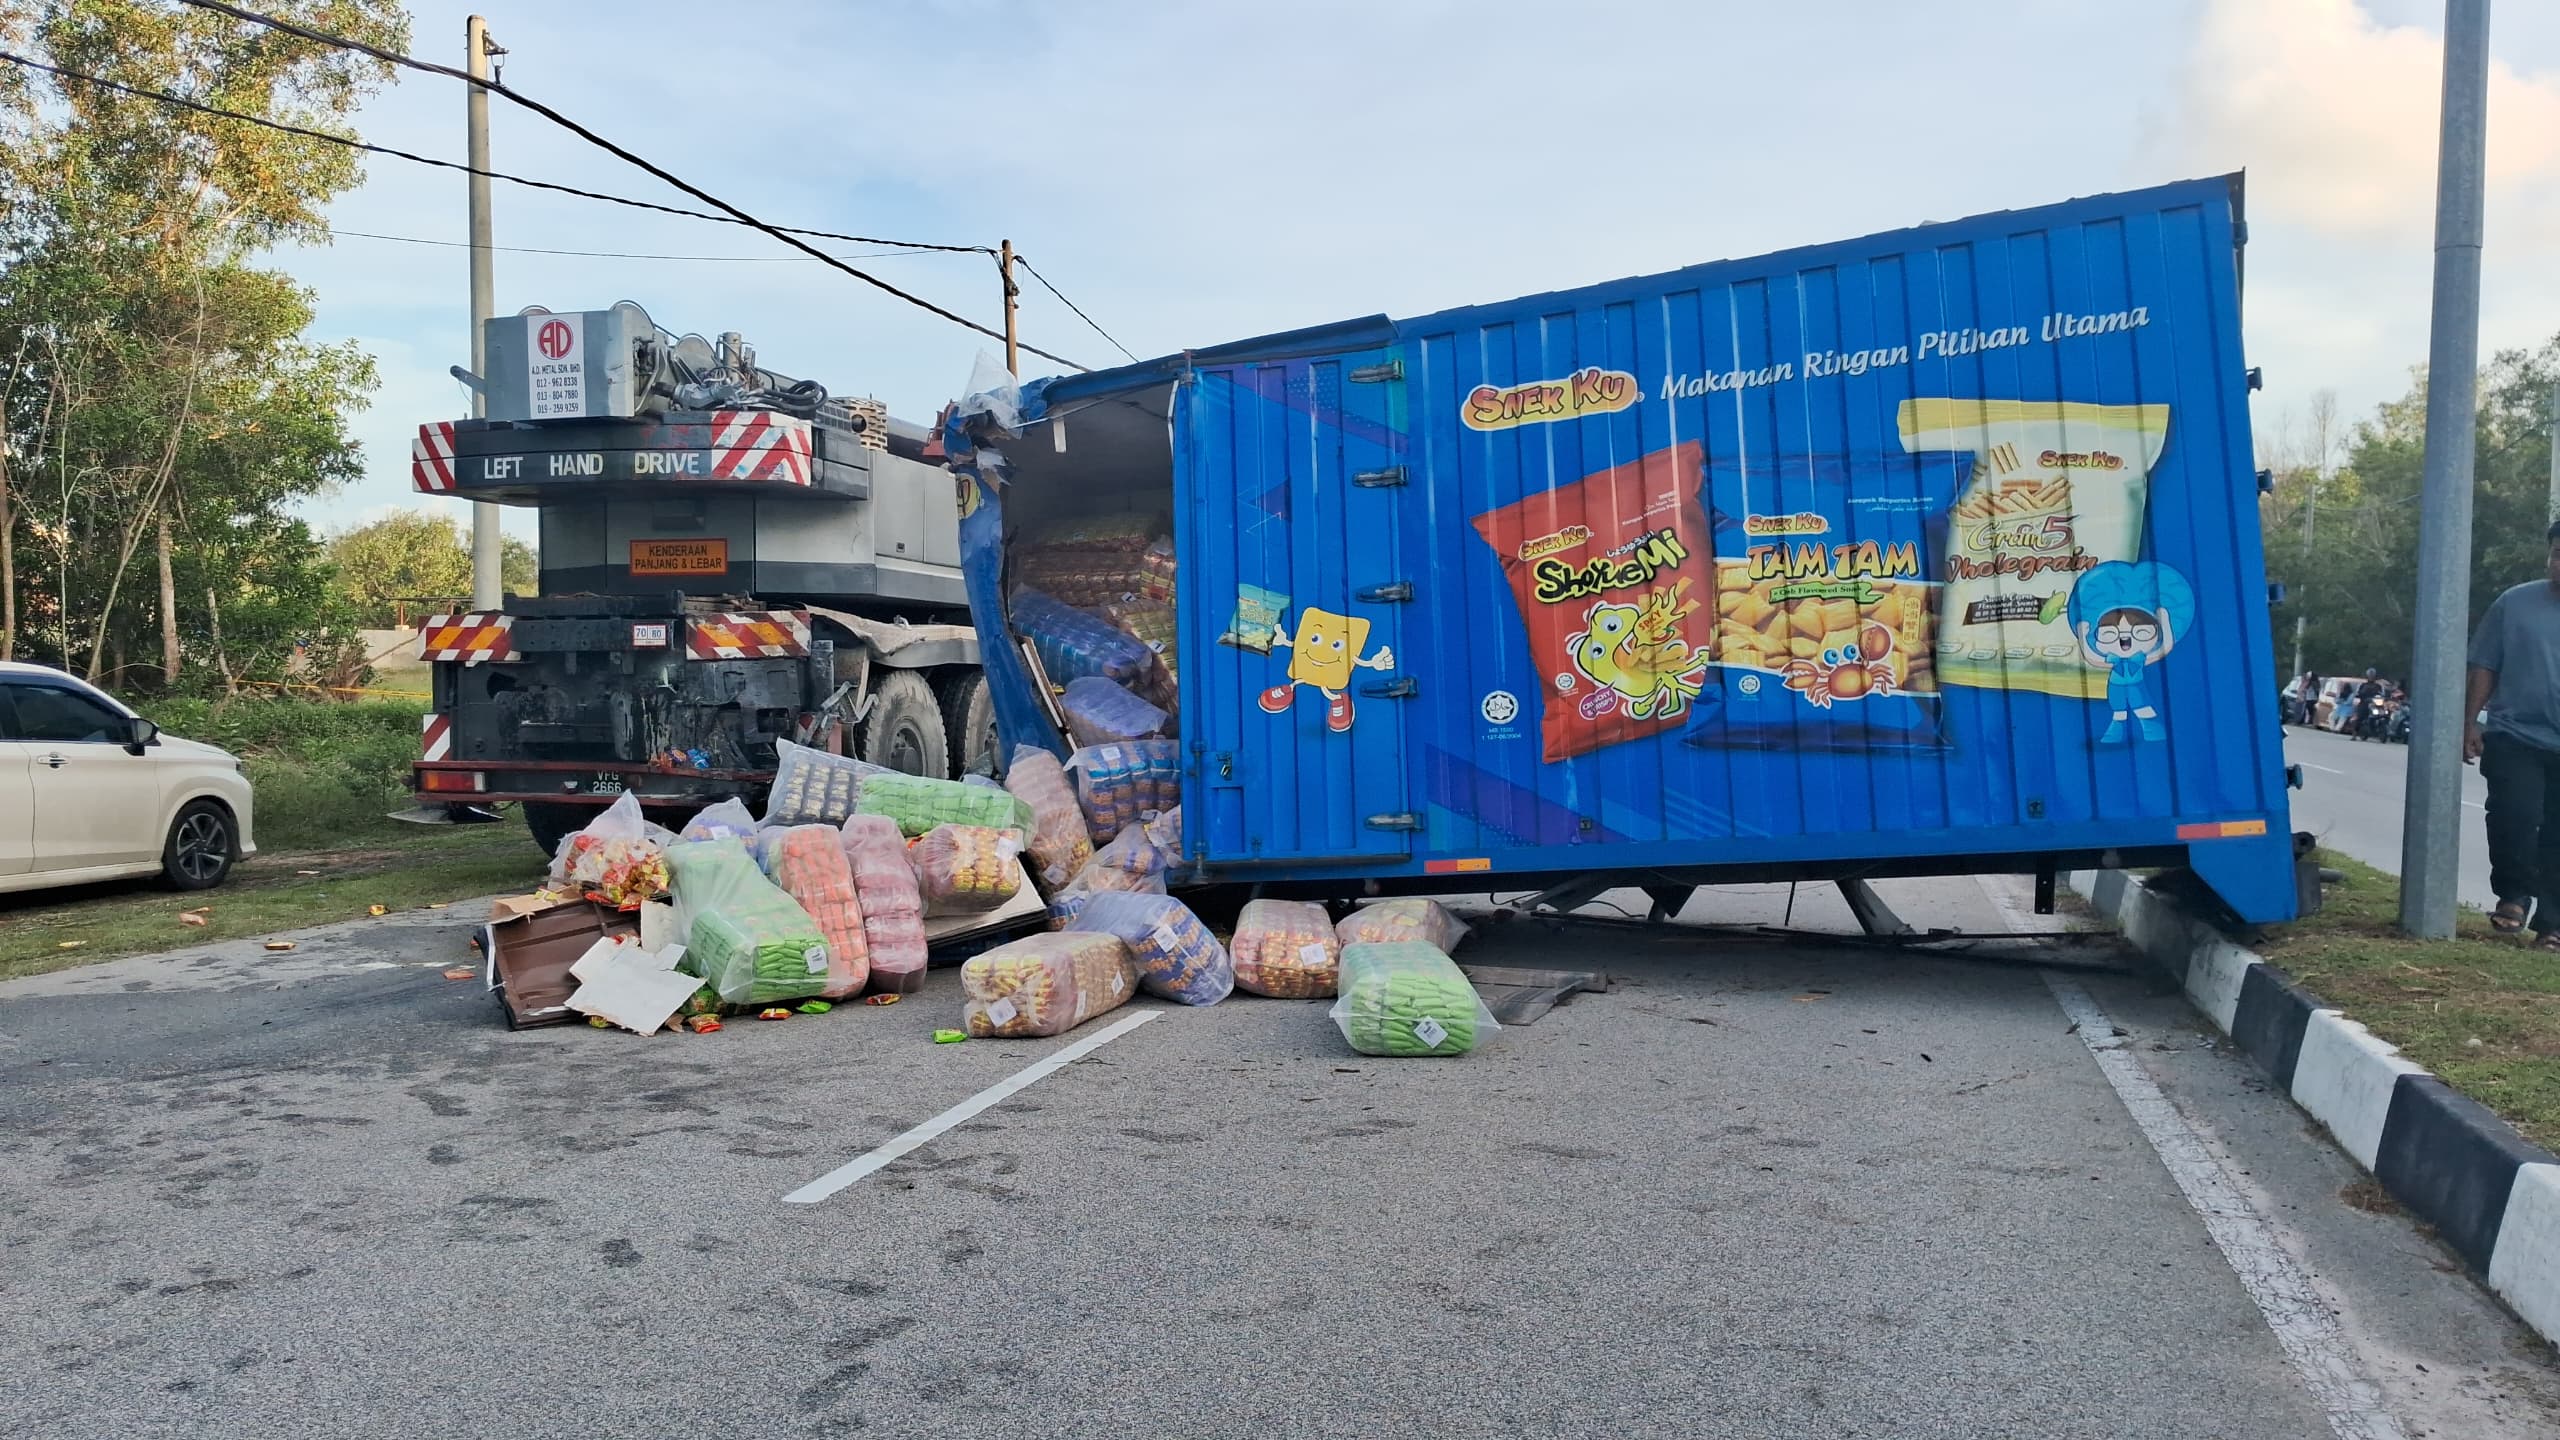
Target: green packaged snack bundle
x=1406 y=998
x=918 y=804
x=744 y=937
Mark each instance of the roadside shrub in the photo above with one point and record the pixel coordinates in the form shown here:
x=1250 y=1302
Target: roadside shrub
x=325 y=773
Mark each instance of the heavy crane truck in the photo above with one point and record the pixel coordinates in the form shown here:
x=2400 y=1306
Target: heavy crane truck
x=730 y=559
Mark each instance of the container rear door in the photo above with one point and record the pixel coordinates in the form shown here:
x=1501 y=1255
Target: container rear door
x=1294 y=612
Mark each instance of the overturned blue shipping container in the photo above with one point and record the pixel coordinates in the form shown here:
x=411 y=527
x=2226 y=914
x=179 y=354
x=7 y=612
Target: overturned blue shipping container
x=1931 y=552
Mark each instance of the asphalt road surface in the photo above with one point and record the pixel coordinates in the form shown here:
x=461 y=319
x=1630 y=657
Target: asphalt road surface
x=2352 y=797
x=1758 y=1189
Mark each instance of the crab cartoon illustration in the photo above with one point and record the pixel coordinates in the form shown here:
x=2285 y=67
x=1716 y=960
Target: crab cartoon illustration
x=1635 y=654
x=1850 y=671
x=1323 y=653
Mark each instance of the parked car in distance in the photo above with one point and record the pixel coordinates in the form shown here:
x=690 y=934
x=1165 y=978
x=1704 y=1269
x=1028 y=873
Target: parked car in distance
x=91 y=791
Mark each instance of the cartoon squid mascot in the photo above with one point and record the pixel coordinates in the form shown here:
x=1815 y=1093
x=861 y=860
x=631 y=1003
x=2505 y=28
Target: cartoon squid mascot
x=2127 y=617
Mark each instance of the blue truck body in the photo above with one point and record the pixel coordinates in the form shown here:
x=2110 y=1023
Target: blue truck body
x=1931 y=552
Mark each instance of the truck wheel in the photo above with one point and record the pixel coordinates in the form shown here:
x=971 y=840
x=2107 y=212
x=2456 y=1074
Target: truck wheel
x=552 y=824
x=969 y=713
x=905 y=729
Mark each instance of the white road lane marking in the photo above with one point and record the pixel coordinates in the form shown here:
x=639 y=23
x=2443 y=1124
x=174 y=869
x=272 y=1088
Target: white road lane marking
x=960 y=1114
x=2305 y=1326
x=2323 y=769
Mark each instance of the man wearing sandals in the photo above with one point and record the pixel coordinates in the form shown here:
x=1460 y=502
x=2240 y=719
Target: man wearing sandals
x=2515 y=675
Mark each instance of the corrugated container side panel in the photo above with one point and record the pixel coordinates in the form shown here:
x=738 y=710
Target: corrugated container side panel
x=1808 y=470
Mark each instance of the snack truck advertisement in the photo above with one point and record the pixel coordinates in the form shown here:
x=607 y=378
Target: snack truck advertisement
x=1939 y=543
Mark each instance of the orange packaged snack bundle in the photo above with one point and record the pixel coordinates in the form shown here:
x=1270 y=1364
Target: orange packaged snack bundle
x=808 y=862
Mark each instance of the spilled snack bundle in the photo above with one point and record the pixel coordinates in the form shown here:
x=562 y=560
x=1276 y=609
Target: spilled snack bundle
x=963 y=868
x=1176 y=956
x=1044 y=984
x=1059 y=843
x=892 y=907
x=1397 y=921
x=1285 y=948
x=808 y=863
x=1406 y=998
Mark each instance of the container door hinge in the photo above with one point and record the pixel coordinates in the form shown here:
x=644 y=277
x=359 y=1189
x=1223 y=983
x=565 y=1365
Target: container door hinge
x=1397 y=820
x=2293 y=777
x=1385 y=479
x=1378 y=374
x=1393 y=592
x=1403 y=687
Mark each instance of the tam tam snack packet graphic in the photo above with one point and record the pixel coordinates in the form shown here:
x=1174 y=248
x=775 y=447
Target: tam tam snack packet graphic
x=1611 y=577
x=1825 y=605
x=2057 y=489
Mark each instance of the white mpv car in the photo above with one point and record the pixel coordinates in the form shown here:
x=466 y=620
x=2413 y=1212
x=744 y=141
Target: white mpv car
x=91 y=791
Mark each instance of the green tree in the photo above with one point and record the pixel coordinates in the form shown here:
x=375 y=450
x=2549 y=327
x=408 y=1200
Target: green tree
x=412 y=561
x=162 y=406
x=2356 y=583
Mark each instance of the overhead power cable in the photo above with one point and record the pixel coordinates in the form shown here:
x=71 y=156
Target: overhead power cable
x=162 y=97
x=1070 y=304
x=342 y=232
x=429 y=67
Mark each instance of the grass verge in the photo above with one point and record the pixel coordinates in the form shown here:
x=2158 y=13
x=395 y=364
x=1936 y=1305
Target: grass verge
x=269 y=893
x=2480 y=1009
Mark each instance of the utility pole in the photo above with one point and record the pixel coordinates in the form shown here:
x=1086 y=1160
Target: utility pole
x=487 y=586
x=2555 y=450
x=1013 y=338
x=2324 y=419
x=2430 y=855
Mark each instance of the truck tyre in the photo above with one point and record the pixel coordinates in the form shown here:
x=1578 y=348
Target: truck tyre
x=904 y=731
x=969 y=713
x=552 y=824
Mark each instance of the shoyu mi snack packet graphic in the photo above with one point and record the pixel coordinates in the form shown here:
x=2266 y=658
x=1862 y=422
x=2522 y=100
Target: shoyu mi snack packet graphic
x=1825 y=606
x=2057 y=489
x=1611 y=577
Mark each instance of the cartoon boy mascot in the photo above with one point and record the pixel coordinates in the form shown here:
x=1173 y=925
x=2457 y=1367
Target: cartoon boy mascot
x=2127 y=616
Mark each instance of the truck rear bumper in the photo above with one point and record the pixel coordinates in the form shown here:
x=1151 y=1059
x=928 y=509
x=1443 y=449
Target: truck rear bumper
x=575 y=782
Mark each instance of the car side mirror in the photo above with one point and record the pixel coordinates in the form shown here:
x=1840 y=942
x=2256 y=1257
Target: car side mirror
x=139 y=734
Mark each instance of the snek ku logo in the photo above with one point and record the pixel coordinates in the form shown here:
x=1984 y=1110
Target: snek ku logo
x=1588 y=391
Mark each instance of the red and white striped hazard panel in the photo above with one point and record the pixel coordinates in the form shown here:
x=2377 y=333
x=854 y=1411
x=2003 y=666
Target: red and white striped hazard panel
x=435 y=739
x=431 y=457
x=470 y=639
x=756 y=634
x=760 y=445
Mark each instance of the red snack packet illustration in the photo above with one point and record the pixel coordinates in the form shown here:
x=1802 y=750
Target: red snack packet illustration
x=1615 y=588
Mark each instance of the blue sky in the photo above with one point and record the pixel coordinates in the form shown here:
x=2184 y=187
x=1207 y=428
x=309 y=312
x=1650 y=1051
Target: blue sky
x=1193 y=173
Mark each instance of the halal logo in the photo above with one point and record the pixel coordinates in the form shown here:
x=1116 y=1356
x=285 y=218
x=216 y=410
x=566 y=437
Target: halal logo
x=555 y=338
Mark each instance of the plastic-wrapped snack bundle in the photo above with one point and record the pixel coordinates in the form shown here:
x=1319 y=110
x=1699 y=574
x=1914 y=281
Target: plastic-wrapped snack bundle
x=1408 y=998
x=1176 y=956
x=1156 y=569
x=1149 y=622
x=1044 y=984
x=1285 y=948
x=617 y=859
x=892 y=907
x=751 y=942
x=811 y=787
x=963 y=868
x=1120 y=785
x=1103 y=712
x=808 y=863
x=1126 y=533
x=1059 y=843
x=1398 y=921
x=1073 y=644
x=728 y=819
x=918 y=804
x=1081 y=578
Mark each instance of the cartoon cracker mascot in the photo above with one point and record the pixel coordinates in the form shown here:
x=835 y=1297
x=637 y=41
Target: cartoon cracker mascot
x=2127 y=617
x=1323 y=653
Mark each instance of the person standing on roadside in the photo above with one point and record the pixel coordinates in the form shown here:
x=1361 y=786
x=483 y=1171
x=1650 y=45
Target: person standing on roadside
x=2515 y=676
